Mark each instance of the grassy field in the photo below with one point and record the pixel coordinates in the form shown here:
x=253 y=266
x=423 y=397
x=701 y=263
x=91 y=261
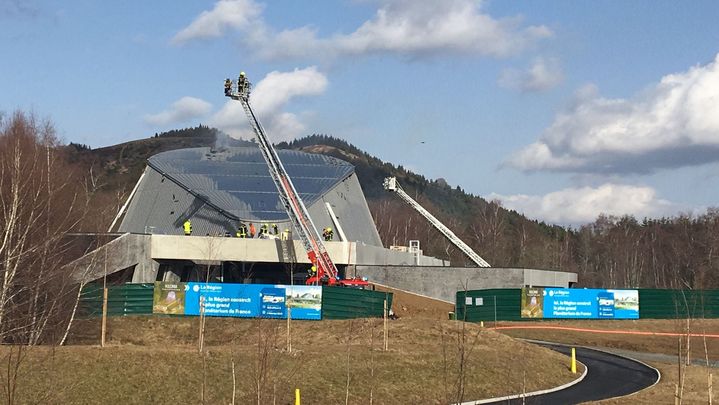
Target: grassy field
x=156 y=360
x=651 y=344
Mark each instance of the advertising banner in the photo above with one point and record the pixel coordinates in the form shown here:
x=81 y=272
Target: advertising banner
x=168 y=298
x=571 y=303
x=239 y=300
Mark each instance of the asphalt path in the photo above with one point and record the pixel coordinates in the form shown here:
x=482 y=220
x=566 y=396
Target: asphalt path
x=608 y=376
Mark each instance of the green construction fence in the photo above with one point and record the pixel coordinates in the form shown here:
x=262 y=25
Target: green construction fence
x=504 y=304
x=346 y=303
x=501 y=304
x=122 y=300
x=136 y=299
x=672 y=304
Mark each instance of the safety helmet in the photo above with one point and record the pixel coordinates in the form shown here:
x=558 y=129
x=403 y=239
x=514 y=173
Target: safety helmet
x=242 y=73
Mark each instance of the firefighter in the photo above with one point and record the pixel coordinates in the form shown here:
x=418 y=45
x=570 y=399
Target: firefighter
x=274 y=229
x=285 y=234
x=327 y=234
x=241 y=83
x=187 y=227
x=242 y=231
x=313 y=270
x=228 y=87
x=252 y=230
x=263 y=230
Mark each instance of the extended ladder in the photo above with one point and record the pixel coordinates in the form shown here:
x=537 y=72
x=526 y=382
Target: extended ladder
x=289 y=197
x=390 y=183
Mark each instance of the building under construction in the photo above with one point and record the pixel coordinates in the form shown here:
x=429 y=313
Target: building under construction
x=187 y=218
x=217 y=189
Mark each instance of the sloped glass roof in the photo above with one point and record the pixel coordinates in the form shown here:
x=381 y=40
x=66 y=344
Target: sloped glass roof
x=237 y=179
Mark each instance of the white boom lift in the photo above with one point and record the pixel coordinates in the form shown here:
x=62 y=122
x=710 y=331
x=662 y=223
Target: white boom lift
x=326 y=271
x=391 y=184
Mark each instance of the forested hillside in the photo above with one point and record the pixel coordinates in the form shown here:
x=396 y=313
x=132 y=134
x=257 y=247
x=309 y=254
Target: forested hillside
x=611 y=252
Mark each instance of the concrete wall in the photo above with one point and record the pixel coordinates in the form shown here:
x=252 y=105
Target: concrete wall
x=546 y=278
x=372 y=255
x=144 y=251
x=170 y=247
x=443 y=282
x=197 y=248
x=124 y=252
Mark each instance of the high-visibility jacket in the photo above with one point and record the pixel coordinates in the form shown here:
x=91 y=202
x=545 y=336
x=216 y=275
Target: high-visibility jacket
x=242 y=232
x=263 y=229
x=187 y=226
x=327 y=234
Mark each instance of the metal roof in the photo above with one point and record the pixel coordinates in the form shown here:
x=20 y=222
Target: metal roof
x=236 y=180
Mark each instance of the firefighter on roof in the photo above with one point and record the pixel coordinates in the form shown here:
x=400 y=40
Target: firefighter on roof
x=327 y=234
x=187 y=227
x=242 y=231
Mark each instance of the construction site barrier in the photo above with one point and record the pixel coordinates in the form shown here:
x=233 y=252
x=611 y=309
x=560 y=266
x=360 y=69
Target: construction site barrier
x=122 y=300
x=504 y=304
x=136 y=299
x=347 y=303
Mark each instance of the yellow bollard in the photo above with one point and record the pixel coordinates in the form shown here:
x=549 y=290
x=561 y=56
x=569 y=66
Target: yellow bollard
x=574 y=361
x=297 y=396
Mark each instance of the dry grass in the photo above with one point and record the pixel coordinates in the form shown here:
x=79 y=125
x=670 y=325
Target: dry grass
x=155 y=360
x=649 y=344
x=695 y=388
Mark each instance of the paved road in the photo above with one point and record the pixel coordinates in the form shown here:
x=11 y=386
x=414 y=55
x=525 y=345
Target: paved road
x=608 y=376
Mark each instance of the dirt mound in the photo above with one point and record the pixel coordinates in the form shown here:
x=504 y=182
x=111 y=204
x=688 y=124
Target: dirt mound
x=406 y=304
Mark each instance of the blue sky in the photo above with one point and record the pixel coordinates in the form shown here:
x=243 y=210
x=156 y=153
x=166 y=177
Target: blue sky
x=562 y=110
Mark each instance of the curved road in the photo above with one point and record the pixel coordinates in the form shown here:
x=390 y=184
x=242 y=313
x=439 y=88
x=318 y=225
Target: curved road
x=608 y=376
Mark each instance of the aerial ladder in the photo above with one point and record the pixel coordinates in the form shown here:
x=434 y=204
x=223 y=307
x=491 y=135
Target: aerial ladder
x=391 y=184
x=325 y=271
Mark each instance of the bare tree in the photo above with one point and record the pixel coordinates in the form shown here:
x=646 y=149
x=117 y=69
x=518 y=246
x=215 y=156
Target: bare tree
x=41 y=199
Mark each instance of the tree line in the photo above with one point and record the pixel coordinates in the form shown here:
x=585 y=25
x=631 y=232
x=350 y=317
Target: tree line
x=613 y=252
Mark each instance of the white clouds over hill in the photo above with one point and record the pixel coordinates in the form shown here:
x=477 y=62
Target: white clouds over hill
x=583 y=204
x=181 y=111
x=674 y=123
x=404 y=27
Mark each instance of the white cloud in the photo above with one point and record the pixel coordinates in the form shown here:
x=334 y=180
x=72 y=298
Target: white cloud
x=227 y=14
x=406 y=27
x=268 y=98
x=573 y=206
x=673 y=123
x=182 y=110
x=543 y=74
